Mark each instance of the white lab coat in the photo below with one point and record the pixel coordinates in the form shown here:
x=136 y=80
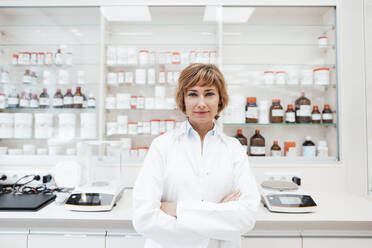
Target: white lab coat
x=174 y=170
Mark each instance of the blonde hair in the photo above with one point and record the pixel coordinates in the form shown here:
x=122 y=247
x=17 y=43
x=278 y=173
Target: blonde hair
x=201 y=75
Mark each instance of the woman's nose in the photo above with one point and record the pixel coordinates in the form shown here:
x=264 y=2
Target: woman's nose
x=201 y=101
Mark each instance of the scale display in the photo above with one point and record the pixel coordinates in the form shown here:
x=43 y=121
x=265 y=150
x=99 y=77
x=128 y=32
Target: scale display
x=90 y=199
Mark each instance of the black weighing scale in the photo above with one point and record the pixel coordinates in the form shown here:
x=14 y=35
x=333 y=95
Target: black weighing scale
x=24 y=202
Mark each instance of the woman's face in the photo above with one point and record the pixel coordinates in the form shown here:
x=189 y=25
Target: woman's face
x=201 y=104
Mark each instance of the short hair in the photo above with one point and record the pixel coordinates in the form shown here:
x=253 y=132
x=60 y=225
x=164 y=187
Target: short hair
x=202 y=75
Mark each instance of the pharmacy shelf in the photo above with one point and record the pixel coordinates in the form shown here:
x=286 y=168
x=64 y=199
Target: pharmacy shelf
x=49 y=85
x=115 y=110
x=53 y=139
x=54 y=110
x=271 y=64
x=293 y=162
x=124 y=85
x=47 y=44
x=52 y=65
x=282 y=124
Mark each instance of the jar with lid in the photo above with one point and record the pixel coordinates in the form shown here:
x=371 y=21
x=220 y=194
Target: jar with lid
x=242 y=139
x=322 y=149
x=321 y=76
x=280 y=77
x=303 y=109
x=3 y=101
x=34 y=102
x=275 y=150
x=58 y=58
x=78 y=98
x=15 y=59
x=44 y=101
x=162 y=127
x=176 y=58
x=40 y=58
x=143 y=57
x=290 y=115
x=308 y=148
x=68 y=99
x=132 y=128
x=257 y=144
x=155 y=127
x=13 y=98
x=251 y=110
x=276 y=112
x=315 y=115
x=58 y=99
x=48 y=58
x=91 y=101
x=269 y=77
x=327 y=114
x=27 y=77
x=322 y=41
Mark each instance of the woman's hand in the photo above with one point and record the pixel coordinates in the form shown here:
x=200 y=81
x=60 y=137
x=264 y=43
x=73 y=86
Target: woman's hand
x=169 y=208
x=233 y=196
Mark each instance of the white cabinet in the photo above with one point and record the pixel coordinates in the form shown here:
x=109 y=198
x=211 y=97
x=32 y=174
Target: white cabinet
x=269 y=242
x=339 y=242
x=63 y=239
x=13 y=238
x=124 y=240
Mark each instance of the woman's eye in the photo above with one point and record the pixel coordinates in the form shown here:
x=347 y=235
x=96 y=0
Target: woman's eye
x=210 y=94
x=191 y=94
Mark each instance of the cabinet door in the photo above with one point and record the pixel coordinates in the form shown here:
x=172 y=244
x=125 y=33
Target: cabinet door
x=270 y=242
x=13 y=239
x=124 y=241
x=339 y=242
x=63 y=240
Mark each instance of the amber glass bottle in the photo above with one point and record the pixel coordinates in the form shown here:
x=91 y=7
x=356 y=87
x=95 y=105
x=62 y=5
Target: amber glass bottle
x=327 y=114
x=315 y=115
x=242 y=139
x=303 y=109
x=257 y=144
x=78 y=98
x=275 y=150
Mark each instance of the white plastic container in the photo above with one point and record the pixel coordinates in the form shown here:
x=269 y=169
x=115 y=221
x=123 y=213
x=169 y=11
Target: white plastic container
x=155 y=127
x=140 y=102
x=280 y=77
x=6 y=125
x=170 y=77
x=161 y=79
x=54 y=150
x=15 y=152
x=322 y=41
x=151 y=76
x=110 y=102
x=159 y=91
x=321 y=76
x=146 y=127
x=41 y=151
x=112 y=78
x=122 y=55
x=162 y=127
x=88 y=125
x=293 y=78
x=123 y=101
x=43 y=125
x=81 y=77
x=143 y=57
x=269 y=77
x=3 y=150
x=23 y=125
x=111 y=128
x=176 y=76
x=140 y=76
x=66 y=125
x=149 y=103
x=176 y=58
x=122 y=121
x=70 y=151
x=121 y=77
x=322 y=149
x=132 y=55
x=29 y=150
x=132 y=128
x=307 y=77
x=128 y=77
x=170 y=125
x=111 y=55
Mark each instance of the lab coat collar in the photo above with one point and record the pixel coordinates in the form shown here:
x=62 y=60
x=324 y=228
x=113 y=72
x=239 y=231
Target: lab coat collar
x=185 y=128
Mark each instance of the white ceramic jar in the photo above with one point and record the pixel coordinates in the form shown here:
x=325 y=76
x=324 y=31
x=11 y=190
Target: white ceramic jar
x=122 y=121
x=23 y=125
x=88 y=125
x=321 y=76
x=155 y=127
x=269 y=77
x=66 y=125
x=280 y=77
x=43 y=125
x=110 y=102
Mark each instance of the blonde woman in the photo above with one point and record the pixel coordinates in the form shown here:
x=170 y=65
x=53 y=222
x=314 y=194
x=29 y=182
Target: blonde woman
x=196 y=188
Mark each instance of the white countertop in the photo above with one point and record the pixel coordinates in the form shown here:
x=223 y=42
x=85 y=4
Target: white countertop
x=336 y=211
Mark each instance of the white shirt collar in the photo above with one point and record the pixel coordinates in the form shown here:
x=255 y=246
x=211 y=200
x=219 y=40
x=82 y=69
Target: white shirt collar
x=185 y=127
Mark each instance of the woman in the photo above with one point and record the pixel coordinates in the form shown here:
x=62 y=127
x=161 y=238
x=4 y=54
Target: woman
x=196 y=188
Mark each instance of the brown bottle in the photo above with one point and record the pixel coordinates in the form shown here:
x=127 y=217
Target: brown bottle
x=68 y=99
x=44 y=99
x=276 y=151
x=290 y=114
x=327 y=114
x=276 y=112
x=78 y=98
x=58 y=99
x=303 y=109
x=315 y=115
x=257 y=145
x=251 y=110
x=242 y=139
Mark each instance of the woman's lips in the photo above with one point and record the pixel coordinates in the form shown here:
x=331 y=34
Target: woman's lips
x=201 y=112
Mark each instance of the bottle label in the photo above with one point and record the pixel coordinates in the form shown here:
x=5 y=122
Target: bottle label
x=78 y=100
x=91 y=103
x=275 y=153
x=44 y=101
x=308 y=151
x=68 y=100
x=34 y=103
x=327 y=116
x=251 y=113
x=315 y=117
x=257 y=150
x=24 y=103
x=277 y=112
x=304 y=110
x=57 y=102
x=290 y=117
x=27 y=79
x=13 y=101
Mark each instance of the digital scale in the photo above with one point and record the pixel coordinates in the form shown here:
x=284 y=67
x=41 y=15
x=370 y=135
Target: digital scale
x=93 y=199
x=286 y=197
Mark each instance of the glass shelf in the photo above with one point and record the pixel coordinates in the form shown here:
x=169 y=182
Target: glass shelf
x=263 y=64
x=40 y=44
x=51 y=26
x=132 y=135
x=48 y=85
x=287 y=86
x=163 y=44
x=61 y=140
x=48 y=109
x=281 y=124
x=141 y=109
x=52 y=65
x=140 y=85
x=279 y=44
